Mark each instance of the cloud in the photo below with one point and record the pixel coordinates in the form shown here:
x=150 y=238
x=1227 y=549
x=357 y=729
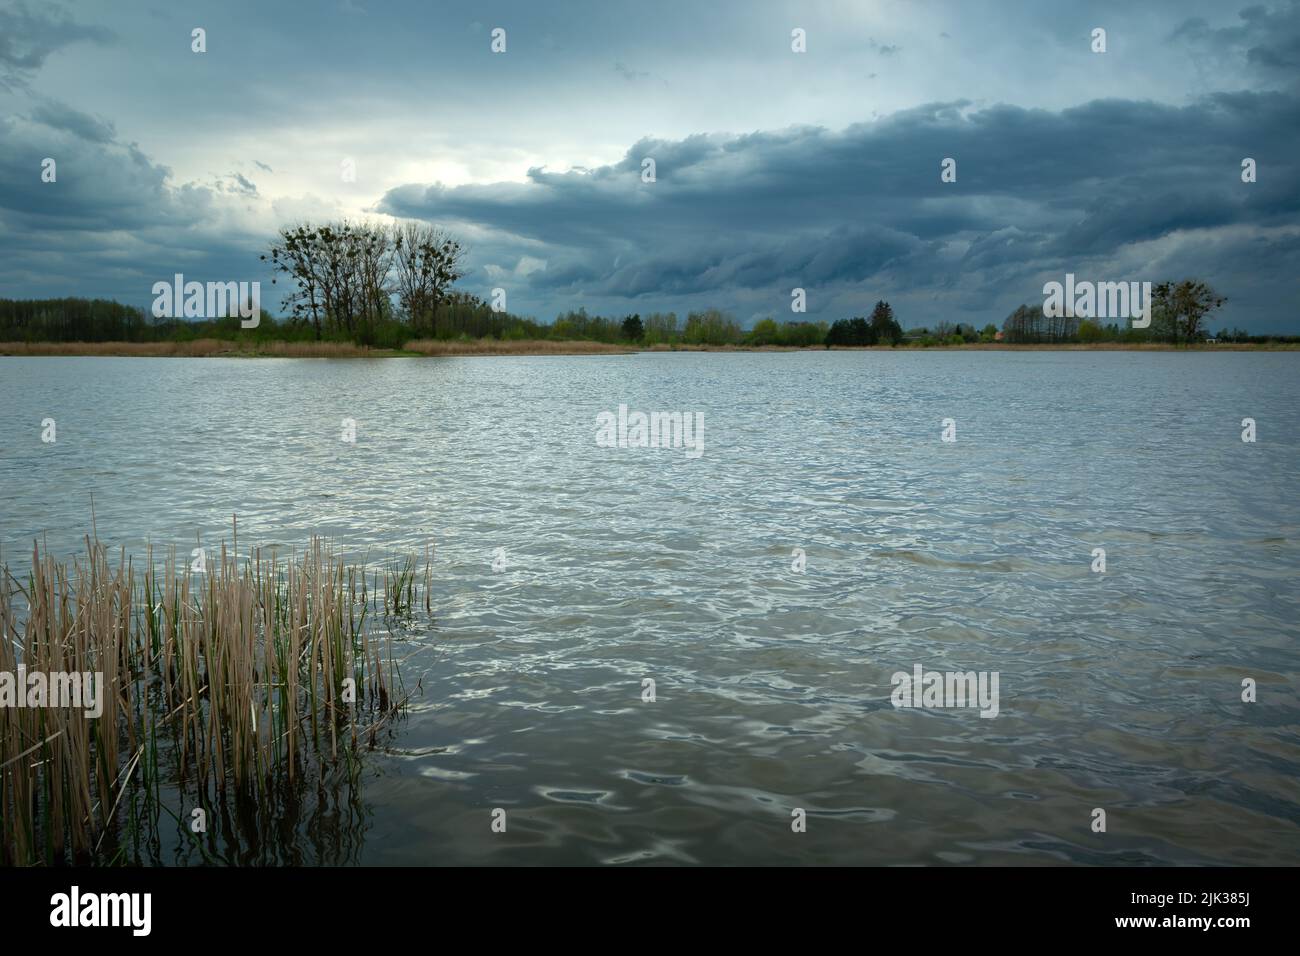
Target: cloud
x=27 y=38
x=631 y=76
x=60 y=116
x=535 y=158
x=1115 y=187
x=1267 y=38
x=112 y=223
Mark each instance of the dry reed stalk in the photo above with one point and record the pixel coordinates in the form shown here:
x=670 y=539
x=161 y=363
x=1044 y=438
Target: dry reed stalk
x=196 y=348
x=511 y=347
x=220 y=668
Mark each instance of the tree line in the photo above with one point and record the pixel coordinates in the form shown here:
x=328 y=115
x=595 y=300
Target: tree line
x=1179 y=315
x=366 y=281
x=384 y=285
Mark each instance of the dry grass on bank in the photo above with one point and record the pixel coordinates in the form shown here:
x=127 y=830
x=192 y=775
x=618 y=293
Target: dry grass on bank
x=1120 y=347
x=223 y=348
x=319 y=350
x=511 y=347
x=206 y=348
x=198 y=348
x=682 y=347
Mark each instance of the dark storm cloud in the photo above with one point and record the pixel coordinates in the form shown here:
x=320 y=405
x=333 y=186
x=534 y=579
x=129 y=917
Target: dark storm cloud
x=63 y=117
x=1036 y=192
x=1123 y=166
x=101 y=183
x=243 y=184
x=1268 y=37
x=112 y=214
x=28 y=36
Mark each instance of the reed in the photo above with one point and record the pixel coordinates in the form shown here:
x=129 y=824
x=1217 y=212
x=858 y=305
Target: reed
x=511 y=347
x=197 y=348
x=232 y=682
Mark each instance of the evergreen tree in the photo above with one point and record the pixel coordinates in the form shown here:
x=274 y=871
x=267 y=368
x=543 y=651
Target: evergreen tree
x=885 y=330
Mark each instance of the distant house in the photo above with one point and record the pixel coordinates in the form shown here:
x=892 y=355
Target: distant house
x=997 y=336
x=1211 y=341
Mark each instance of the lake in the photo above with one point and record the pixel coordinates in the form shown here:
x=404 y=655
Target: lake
x=569 y=572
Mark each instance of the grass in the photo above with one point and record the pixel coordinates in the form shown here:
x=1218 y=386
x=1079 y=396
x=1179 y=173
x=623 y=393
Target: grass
x=197 y=348
x=223 y=348
x=232 y=683
x=511 y=347
x=1109 y=347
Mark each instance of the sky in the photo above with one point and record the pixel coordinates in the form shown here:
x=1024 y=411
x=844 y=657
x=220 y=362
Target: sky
x=774 y=169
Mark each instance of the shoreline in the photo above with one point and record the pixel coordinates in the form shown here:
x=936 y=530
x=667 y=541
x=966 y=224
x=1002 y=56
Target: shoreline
x=214 y=348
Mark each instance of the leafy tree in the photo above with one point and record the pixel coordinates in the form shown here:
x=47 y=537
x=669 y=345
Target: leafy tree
x=765 y=332
x=801 y=334
x=1091 y=331
x=577 y=324
x=855 y=332
x=661 y=328
x=77 y=320
x=885 y=330
x=711 y=327
x=633 y=329
x=1178 y=310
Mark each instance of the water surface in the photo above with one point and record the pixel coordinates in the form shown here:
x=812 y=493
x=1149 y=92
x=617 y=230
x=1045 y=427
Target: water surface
x=1119 y=690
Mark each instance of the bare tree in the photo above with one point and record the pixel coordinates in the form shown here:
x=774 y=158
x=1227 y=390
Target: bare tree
x=342 y=271
x=1179 y=309
x=295 y=254
x=427 y=261
x=1025 y=324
